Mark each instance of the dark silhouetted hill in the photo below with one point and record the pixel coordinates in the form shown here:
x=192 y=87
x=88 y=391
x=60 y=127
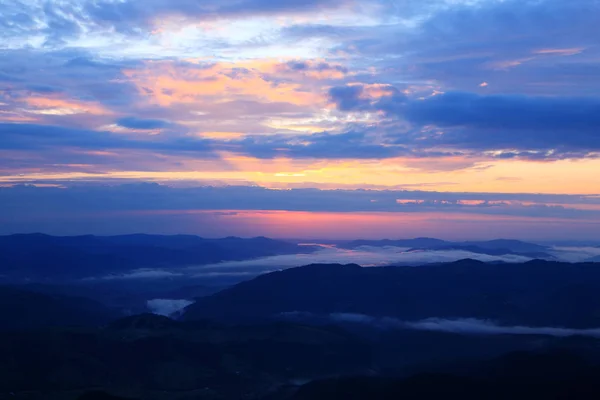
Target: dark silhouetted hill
x=515 y=376
x=536 y=293
x=21 y=309
x=99 y=395
x=150 y=357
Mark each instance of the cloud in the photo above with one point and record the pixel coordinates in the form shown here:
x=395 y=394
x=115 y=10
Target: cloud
x=129 y=15
x=347 y=145
x=464 y=326
x=31 y=136
x=109 y=208
x=51 y=141
x=521 y=46
x=513 y=125
x=57 y=23
x=133 y=197
x=79 y=89
x=347 y=98
x=481 y=327
x=167 y=307
x=141 y=274
x=510 y=112
x=139 y=123
x=555 y=127
x=365 y=256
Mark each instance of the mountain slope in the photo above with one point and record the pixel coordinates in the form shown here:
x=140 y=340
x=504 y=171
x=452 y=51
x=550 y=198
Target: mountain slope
x=22 y=309
x=514 y=376
x=535 y=293
x=145 y=355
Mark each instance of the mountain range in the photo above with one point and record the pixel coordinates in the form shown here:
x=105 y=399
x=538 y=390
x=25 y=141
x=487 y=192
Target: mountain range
x=432 y=243
x=536 y=293
x=39 y=257
x=465 y=329
x=323 y=331
x=491 y=251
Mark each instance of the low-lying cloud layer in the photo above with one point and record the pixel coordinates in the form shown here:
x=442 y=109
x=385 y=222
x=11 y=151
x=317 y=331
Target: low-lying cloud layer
x=468 y=326
x=167 y=307
x=231 y=272
x=366 y=256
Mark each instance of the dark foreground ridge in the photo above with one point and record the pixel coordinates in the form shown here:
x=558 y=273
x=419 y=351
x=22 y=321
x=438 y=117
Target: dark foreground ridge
x=344 y=343
x=148 y=357
x=24 y=309
x=524 y=376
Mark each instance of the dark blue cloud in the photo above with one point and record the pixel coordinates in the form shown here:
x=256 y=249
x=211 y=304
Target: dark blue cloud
x=563 y=127
x=299 y=65
x=4 y=77
x=508 y=112
x=82 y=61
x=139 y=123
x=44 y=89
x=52 y=140
x=44 y=137
x=348 y=98
x=348 y=145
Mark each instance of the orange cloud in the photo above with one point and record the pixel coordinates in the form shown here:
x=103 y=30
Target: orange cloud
x=221 y=135
x=168 y=83
x=470 y=202
x=14 y=117
x=377 y=90
x=62 y=106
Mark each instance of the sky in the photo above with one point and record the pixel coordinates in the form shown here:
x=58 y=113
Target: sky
x=458 y=119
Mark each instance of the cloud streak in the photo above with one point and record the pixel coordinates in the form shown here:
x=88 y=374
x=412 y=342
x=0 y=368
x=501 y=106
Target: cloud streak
x=467 y=326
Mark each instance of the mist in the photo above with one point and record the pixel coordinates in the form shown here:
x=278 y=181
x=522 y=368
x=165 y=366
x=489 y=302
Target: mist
x=467 y=326
x=367 y=256
x=167 y=307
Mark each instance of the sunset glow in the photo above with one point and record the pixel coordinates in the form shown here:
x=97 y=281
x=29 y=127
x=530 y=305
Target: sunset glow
x=328 y=95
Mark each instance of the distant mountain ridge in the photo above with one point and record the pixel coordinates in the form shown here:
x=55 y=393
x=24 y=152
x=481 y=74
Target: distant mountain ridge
x=516 y=246
x=44 y=257
x=488 y=251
